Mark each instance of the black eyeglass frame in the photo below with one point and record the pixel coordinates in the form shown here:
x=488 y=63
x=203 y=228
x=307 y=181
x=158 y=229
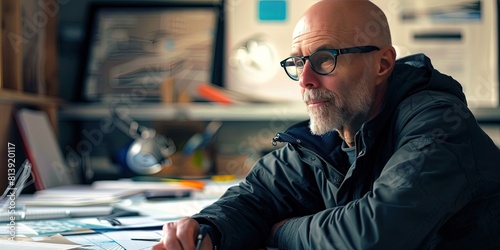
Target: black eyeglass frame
x=334 y=52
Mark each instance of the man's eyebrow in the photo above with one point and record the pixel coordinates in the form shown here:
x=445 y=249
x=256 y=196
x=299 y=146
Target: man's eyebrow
x=322 y=47
x=294 y=54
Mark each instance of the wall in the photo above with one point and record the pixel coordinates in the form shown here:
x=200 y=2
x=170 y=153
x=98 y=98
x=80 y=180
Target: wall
x=250 y=138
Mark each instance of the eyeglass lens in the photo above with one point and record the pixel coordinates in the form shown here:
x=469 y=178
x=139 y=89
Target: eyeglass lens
x=322 y=62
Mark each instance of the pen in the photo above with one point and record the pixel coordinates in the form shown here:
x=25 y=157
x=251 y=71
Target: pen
x=149 y=239
x=201 y=235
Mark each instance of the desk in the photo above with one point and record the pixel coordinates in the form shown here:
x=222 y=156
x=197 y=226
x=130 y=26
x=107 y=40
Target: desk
x=114 y=240
x=153 y=214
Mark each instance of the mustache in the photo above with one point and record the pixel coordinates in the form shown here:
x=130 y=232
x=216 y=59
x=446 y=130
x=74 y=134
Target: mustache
x=315 y=94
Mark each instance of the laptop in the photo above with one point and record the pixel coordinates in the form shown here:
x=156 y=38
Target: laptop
x=57 y=183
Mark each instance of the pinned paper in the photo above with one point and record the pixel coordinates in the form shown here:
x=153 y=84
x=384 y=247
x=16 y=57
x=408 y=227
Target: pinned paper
x=272 y=10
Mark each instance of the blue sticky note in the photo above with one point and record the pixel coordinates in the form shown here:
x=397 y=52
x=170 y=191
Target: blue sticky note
x=272 y=10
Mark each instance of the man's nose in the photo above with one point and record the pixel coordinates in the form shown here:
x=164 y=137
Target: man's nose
x=308 y=78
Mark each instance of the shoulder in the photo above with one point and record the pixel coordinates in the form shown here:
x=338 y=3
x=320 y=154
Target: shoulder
x=431 y=102
x=433 y=114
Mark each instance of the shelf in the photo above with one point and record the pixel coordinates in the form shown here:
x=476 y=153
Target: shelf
x=18 y=97
x=192 y=111
x=212 y=111
x=487 y=114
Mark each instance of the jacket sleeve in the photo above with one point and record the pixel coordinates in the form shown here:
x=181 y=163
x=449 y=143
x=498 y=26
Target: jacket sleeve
x=275 y=189
x=430 y=176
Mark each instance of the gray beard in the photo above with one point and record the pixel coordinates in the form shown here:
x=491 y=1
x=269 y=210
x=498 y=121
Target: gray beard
x=338 y=112
x=325 y=119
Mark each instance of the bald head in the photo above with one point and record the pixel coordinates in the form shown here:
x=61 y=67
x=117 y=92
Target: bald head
x=349 y=22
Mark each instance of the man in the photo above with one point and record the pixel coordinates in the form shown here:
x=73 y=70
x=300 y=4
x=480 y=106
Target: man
x=391 y=158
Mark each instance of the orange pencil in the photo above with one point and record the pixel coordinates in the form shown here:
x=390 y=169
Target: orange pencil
x=213 y=94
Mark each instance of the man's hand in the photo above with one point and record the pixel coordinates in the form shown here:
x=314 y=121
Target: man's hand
x=276 y=226
x=273 y=241
x=182 y=235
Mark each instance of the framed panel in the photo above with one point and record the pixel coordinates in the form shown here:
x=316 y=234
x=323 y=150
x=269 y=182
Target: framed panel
x=460 y=37
x=131 y=50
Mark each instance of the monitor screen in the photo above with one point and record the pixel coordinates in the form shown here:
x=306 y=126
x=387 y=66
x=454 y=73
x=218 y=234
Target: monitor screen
x=132 y=49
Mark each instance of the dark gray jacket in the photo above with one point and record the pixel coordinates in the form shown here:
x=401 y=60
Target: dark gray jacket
x=426 y=177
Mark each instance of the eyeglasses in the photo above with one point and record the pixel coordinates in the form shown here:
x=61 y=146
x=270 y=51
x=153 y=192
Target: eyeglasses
x=322 y=62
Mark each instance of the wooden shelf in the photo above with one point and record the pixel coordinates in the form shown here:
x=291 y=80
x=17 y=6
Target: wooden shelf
x=191 y=111
x=487 y=114
x=212 y=111
x=28 y=68
x=18 y=97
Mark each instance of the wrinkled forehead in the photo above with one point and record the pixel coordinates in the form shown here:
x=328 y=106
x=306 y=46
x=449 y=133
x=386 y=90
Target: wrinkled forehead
x=325 y=16
x=299 y=28
x=341 y=24
x=315 y=24
x=320 y=32
x=342 y=28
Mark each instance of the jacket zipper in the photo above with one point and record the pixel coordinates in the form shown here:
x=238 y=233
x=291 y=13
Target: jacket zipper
x=360 y=153
x=282 y=137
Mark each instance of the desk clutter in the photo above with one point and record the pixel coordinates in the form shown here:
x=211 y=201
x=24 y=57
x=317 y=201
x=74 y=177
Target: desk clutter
x=131 y=221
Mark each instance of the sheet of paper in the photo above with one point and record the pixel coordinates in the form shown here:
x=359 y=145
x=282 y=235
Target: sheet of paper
x=95 y=242
x=21 y=229
x=56 y=242
x=128 y=222
x=75 y=196
x=137 y=240
x=78 y=225
x=171 y=209
x=177 y=208
x=118 y=240
x=27 y=245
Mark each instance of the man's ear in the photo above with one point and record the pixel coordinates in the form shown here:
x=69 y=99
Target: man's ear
x=386 y=63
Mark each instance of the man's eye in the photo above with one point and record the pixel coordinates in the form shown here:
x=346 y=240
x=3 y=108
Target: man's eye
x=323 y=58
x=323 y=61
